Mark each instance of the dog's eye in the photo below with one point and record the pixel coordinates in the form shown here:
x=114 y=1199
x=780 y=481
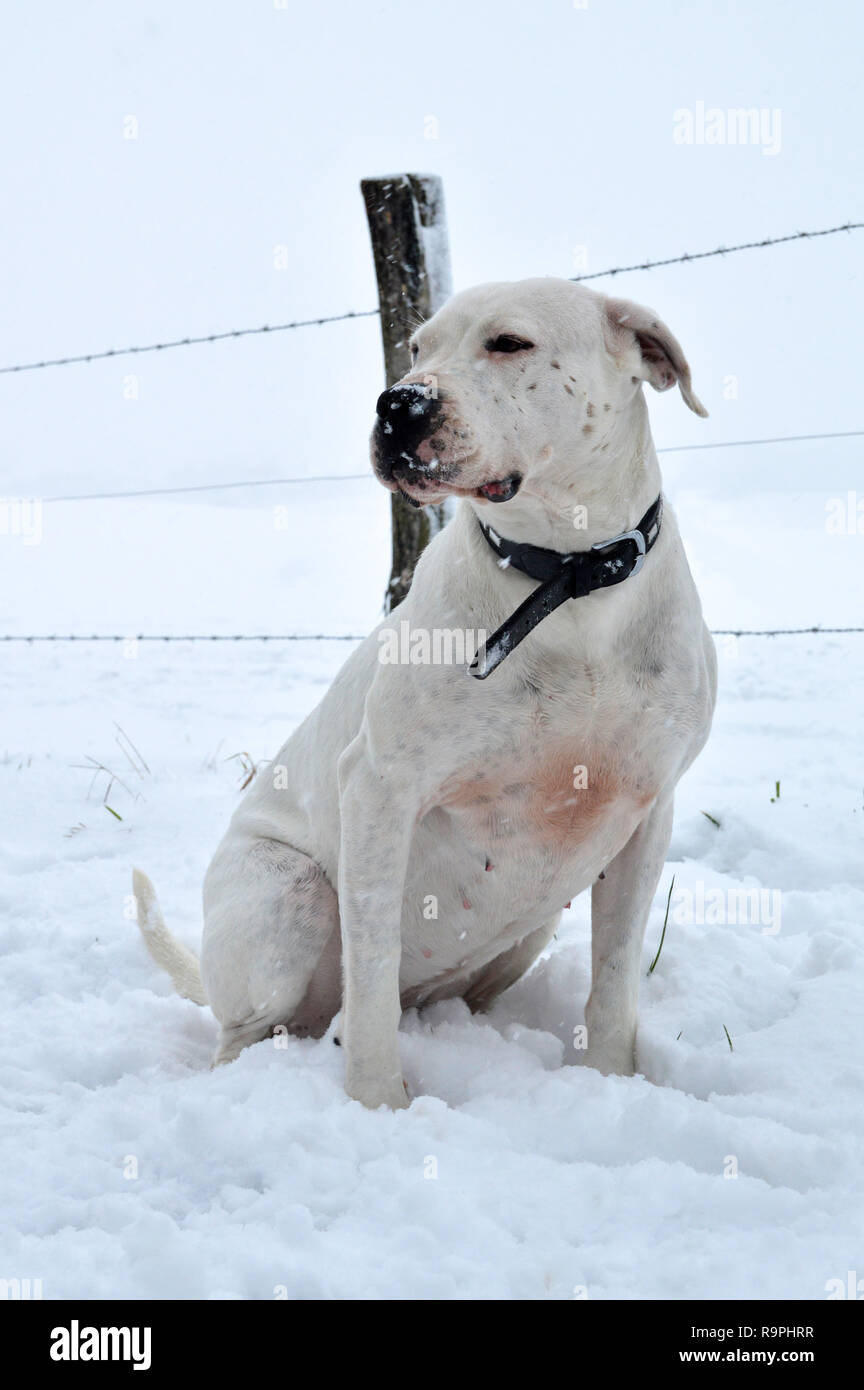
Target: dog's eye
x=508 y=342
x=414 y=350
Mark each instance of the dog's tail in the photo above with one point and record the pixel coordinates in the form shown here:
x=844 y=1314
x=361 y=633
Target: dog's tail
x=178 y=960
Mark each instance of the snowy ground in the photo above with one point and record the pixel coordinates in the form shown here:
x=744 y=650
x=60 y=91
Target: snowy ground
x=131 y=1170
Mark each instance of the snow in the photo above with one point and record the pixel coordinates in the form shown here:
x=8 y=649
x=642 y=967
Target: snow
x=436 y=249
x=515 y=1173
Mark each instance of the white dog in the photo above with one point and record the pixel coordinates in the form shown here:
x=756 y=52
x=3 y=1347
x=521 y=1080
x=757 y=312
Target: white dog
x=419 y=834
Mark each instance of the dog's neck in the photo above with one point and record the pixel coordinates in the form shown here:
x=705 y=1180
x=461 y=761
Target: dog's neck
x=559 y=514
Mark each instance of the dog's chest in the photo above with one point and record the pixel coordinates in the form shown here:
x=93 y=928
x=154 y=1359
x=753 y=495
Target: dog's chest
x=551 y=796
x=519 y=830
x=573 y=757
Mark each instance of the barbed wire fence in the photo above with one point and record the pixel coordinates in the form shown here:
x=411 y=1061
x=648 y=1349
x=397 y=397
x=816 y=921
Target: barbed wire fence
x=351 y=636
x=356 y=477
x=686 y=258
x=237 y=333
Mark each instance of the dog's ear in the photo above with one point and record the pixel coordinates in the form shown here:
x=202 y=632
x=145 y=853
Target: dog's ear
x=663 y=361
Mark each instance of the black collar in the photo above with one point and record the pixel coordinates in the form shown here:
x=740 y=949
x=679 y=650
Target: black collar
x=563 y=576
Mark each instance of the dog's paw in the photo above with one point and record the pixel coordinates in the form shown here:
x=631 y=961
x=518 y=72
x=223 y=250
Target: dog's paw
x=610 y=1062
x=611 y=1057
x=375 y=1094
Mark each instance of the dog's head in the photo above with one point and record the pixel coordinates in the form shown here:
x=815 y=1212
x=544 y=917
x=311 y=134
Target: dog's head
x=514 y=386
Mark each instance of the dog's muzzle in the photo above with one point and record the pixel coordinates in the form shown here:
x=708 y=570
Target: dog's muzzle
x=407 y=415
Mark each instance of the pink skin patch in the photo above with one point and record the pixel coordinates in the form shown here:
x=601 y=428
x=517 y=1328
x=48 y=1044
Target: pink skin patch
x=547 y=807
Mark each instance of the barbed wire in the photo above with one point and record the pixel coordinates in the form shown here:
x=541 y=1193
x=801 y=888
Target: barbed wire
x=778 y=439
x=210 y=487
x=190 y=342
x=777 y=631
x=352 y=636
x=372 y=313
x=186 y=637
x=354 y=477
x=722 y=251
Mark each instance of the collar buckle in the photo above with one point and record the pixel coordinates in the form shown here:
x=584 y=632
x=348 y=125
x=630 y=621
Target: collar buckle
x=638 y=540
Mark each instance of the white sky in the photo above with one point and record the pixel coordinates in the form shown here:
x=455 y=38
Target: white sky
x=555 y=130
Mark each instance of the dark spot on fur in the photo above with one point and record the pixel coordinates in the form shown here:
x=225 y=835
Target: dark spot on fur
x=568 y=389
x=589 y=409
x=587 y=429
x=606 y=405
x=533 y=386
x=556 y=365
x=651 y=669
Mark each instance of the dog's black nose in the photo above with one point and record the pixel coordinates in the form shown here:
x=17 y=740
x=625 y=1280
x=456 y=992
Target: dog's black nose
x=404 y=406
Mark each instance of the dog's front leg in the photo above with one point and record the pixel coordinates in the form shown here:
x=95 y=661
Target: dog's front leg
x=620 y=903
x=377 y=821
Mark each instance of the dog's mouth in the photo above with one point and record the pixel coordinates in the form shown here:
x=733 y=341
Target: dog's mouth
x=502 y=490
x=410 y=498
x=422 y=493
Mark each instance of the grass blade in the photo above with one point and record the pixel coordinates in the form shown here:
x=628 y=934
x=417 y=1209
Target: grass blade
x=663 y=934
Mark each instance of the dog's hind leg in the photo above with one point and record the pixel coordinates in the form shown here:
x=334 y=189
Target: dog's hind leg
x=485 y=986
x=271 y=927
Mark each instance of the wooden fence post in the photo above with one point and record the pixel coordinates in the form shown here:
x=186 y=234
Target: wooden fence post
x=412 y=265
